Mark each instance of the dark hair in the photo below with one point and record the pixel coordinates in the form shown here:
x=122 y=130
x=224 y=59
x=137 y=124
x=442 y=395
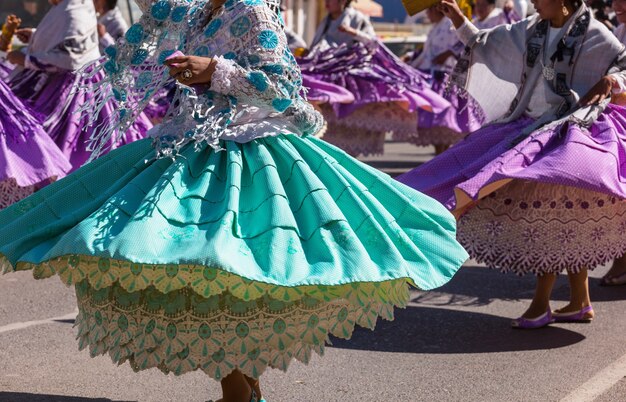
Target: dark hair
x=491 y=2
x=348 y=2
x=576 y=4
x=111 y=4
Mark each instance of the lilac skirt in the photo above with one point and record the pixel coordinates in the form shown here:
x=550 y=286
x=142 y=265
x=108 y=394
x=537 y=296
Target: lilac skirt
x=320 y=92
x=384 y=89
x=159 y=104
x=29 y=159
x=5 y=70
x=447 y=128
x=562 y=189
x=52 y=95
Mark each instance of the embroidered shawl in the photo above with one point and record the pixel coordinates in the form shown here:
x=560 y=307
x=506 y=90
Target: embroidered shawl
x=500 y=67
x=66 y=38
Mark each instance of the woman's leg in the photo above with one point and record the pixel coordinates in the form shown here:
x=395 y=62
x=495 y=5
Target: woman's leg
x=541 y=299
x=617 y=273
x=235 y=388
x=441 y=148
x=579 y=293
x=256 y=386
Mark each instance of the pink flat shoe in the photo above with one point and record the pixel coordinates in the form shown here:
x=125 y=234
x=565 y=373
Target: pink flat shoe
x=576 y=316
x=533 y=323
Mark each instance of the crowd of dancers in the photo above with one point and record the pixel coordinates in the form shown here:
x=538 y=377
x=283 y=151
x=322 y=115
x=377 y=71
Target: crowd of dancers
x=221 y=233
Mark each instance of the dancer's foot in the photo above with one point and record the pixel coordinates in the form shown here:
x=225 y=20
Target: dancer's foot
x=616 y=275
x=255 y=385
x=535 y=310
x=584 y=312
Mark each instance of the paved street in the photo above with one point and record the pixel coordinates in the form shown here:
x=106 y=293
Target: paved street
x=454 y=344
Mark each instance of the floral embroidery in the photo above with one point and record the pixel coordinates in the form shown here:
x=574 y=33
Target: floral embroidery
x=213 y=27
x=134 y=34
x=268 y=39
x=597 y=234
x=493 y=228
x=161 y=10
x=566 y=229
x=258 y=80
x=139 y=57
x=179 y=13
x=202 y=51
x=240 y=26
x=144 y=79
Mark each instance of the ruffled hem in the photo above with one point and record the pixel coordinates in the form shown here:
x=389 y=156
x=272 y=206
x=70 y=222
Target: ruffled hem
x=11 y=192
x=182 y=318
x=101 y=273
x=256 y=253
x=373 y=76
x=181 y=332
x=282 y=201
x=431 y=136
x=530 y=227
x=487 y=159
x=54 y=95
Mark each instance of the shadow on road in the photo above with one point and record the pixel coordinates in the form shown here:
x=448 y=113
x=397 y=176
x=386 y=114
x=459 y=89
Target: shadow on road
x=68 y=321
x=480 y=286
x=27 y=397
x=443 y=331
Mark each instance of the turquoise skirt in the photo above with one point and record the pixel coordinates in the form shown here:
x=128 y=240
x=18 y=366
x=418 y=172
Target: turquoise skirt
x=241 y=258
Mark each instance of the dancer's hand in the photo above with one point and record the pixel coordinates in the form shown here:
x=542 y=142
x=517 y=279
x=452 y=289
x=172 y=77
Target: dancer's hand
x=443 y=57
x=13 y=22
x=599 y=92
x=508 y=6
x=201 y=69
x=451 y=9
x=24 y=34
x=347 y=29
x=102 y=30
x=16 y=57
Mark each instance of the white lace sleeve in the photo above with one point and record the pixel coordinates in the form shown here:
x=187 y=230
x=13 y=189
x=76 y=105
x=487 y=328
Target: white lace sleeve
x=264 y=74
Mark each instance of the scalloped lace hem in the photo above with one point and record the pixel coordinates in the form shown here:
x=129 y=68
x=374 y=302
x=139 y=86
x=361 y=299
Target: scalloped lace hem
x=11 y=192
x=182 y=332
x=538 y=228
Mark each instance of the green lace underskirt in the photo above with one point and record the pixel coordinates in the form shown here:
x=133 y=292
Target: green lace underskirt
x=239 y=259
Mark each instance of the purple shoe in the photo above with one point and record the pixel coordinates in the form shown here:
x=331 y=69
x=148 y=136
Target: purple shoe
x=576 y=316
x=534 y=323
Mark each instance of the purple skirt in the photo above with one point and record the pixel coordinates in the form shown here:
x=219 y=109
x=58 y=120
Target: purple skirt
x=52 y=95
x=507 y=200
x=590 y=159
x=378 y=81
x=160 y=103
x=372 y=76
x=447 y=128
x=29 y=159
x=320 y=92
x=5 y=70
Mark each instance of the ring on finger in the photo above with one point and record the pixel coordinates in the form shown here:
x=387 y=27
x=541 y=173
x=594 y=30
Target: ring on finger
x=186 y=75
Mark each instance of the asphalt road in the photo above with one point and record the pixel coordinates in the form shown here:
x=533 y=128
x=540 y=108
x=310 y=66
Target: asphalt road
x=454 y=344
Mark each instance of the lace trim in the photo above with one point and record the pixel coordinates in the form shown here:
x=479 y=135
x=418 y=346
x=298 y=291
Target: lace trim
x=431 y=136
x=382 y=117
x=541 y=228
x=11 y=192
x=224 y=70
x=182 y=332
x=355 y=142
x=101 y=272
